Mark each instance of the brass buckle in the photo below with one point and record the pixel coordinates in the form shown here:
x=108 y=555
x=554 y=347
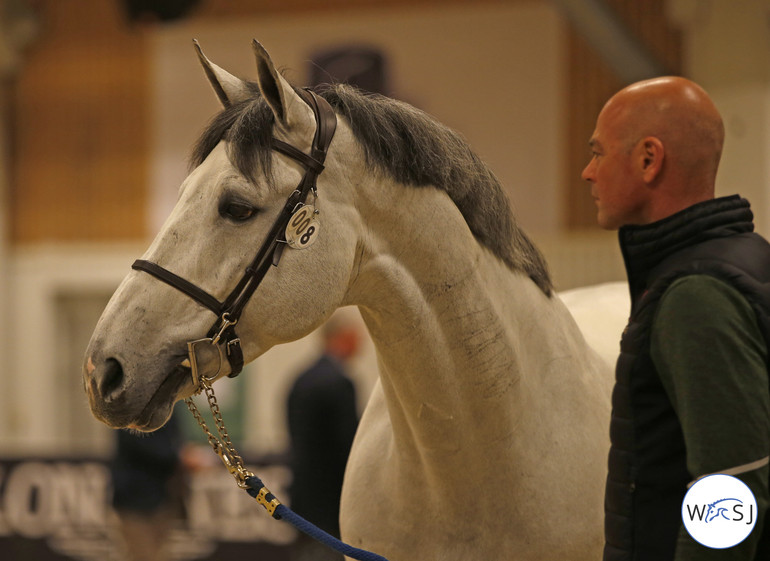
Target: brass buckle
x=235 y=467
x=225 y=324
x=199 y=379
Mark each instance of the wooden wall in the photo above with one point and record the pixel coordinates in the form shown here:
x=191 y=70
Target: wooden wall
x=80 y=117
x=80 y=128
x=80 y=113
x=592 y=83
x=235 y=8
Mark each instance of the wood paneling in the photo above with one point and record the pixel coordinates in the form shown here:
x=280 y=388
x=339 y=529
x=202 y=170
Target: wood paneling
x=230 y=8
x=592 y=83
x=80 y=115
x=80 y=127
x=646 y=20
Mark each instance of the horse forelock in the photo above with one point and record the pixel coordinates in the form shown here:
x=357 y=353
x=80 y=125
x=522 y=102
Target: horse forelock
x=247 y=129
x=403 y=142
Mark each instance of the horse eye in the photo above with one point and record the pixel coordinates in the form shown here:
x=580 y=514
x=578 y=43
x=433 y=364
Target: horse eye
x=239 y=212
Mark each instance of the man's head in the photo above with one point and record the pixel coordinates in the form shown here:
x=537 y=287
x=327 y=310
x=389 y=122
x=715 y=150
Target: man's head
x=655 y=151
x=341 y=335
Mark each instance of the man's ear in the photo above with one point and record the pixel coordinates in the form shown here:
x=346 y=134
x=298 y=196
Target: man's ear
x=651 y=158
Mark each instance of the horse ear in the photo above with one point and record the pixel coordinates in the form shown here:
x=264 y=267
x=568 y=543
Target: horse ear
x=278 y=93
x=228 y=88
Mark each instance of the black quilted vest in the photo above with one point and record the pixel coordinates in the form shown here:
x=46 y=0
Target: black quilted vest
x=647 y=464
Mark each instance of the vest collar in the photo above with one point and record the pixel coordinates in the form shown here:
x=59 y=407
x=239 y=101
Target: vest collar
x=646 y=246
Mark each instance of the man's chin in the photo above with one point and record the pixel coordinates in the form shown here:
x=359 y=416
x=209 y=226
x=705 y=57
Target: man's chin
x=607 y=222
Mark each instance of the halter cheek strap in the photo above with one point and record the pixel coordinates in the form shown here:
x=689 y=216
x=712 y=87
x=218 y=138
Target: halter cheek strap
x=222 y=333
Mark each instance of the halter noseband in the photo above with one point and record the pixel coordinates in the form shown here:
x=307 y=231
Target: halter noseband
x=222 y=334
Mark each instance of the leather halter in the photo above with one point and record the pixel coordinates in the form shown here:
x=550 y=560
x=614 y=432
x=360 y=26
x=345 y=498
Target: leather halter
x=222 y=333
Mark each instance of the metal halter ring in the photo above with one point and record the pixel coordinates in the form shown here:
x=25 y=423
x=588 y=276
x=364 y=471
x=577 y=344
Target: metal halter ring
x=199 y=379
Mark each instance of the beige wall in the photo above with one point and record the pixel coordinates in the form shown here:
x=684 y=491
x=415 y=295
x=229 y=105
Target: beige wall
x=80 y=127
x=728 y=51
x=493 y=72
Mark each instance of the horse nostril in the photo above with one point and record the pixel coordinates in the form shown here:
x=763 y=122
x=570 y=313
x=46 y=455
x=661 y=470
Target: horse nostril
x=112 y=377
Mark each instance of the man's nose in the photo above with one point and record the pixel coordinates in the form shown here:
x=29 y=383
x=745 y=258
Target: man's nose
x=587 y=173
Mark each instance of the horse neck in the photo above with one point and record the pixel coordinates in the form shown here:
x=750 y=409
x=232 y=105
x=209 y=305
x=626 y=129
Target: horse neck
x=447 y=318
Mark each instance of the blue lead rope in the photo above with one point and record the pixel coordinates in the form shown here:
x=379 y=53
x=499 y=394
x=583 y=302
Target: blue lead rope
x=223 y=447
x=279 y=511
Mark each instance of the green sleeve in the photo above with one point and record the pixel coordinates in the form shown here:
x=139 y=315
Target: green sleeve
x=712 y=359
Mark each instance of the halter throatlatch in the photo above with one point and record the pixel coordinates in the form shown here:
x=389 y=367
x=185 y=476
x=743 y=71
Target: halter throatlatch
x=222 y=334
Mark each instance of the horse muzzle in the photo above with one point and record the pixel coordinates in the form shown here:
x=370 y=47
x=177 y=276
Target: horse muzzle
x=120 y=398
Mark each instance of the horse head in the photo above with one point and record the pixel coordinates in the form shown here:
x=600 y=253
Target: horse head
x=249 y=166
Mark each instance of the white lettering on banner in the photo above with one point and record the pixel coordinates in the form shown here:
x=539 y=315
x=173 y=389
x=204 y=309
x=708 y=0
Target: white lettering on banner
x=27 y=500
x=67 y=503
x=39 y=498
x=79 y=496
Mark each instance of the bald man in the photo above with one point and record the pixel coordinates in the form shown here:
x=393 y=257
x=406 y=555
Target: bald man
x=692 y=394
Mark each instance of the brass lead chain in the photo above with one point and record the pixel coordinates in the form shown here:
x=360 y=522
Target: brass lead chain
x=222 y=445
x=201 y=423
x=224 y=448
x=220 y=424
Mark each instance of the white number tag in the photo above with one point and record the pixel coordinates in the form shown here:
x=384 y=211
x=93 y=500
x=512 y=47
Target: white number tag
x=302 y=229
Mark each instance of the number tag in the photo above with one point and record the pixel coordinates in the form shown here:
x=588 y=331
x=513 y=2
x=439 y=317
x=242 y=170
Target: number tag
x=302 y=229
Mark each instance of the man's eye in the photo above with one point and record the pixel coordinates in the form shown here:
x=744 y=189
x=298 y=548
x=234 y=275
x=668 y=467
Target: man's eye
x=239 y=212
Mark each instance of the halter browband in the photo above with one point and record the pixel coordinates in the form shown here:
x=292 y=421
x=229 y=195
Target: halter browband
x=222 y=333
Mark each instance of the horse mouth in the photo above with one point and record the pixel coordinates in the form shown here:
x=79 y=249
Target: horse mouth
x=158 y=410
x=150 y=415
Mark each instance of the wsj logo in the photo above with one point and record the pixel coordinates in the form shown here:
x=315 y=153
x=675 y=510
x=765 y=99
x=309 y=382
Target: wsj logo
x=719 y=511
x=723 y=509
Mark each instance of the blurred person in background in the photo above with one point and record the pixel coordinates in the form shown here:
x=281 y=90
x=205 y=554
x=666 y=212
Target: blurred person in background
x=148 y=489
x=322 y=420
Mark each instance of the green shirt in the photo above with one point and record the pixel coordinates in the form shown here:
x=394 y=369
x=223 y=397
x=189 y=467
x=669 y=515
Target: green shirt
x=712 y=359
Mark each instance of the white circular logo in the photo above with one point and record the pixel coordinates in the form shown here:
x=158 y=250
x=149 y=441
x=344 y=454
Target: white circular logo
x=719 y=511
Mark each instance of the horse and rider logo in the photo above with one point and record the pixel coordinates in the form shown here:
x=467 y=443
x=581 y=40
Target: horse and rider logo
x=724 y=522
x=725 y=509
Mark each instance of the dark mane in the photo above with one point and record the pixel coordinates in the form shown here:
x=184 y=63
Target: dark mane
x=403 y=142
